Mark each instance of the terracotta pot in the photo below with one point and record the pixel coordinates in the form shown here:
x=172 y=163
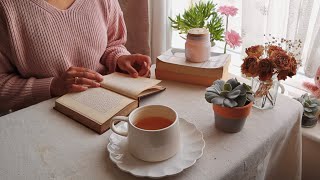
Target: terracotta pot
x=308 y=123
x=231 y=119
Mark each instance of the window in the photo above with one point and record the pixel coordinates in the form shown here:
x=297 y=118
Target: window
x=293 y=86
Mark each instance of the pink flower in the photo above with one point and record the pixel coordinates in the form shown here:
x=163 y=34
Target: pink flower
x=233 y=39
x=228 y=10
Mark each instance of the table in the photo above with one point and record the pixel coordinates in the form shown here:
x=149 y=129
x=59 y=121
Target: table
x=40 y=143
x=310 y=152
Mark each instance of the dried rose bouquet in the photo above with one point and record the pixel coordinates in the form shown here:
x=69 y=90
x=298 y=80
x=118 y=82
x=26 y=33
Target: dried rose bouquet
x=271 y=62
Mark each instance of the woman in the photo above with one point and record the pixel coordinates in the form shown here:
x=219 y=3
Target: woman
x=52 y=47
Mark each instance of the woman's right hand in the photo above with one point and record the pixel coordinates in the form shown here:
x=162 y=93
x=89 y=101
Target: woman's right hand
x=75 y=79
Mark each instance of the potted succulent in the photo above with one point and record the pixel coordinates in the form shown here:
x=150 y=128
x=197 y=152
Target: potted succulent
x=232 y=102
x=310 y=109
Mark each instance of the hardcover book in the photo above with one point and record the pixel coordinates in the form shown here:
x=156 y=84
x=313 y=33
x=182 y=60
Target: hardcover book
x=118 y=95
x=172 y=65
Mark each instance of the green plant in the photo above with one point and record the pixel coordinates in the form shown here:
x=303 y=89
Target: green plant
x=200 y=15
x=310 y=105
x=229 y=94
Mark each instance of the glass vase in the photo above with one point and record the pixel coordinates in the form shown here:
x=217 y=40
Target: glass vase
x=265 y=92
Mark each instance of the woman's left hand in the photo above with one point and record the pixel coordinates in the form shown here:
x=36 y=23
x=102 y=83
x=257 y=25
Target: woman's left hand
x=135 y=64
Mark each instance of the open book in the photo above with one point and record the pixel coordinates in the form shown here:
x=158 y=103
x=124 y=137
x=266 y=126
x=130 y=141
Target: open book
x=118 y=95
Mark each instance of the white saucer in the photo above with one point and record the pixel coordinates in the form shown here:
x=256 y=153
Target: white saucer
x=191 y=149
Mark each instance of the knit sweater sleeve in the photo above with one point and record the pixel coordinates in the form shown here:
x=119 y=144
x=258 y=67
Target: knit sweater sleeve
x=17 y=92
x=117 y=35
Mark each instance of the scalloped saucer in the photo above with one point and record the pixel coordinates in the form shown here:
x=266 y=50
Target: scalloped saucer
x=191 y=149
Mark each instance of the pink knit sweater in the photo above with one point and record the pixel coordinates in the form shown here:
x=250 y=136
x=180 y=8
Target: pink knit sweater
x=39 y=42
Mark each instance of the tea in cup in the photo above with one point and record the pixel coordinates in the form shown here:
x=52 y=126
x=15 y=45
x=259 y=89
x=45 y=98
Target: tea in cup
x=153 y=132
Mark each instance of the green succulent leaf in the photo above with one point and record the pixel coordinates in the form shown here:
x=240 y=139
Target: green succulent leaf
x=227 y=87
x=219 y=83
x=210 y=95
x=250 y=97
x=217 y=87
x=229 y=103
x=306 y=104
x=313 y=105
x=309 y=102
x=242 y=89
x=214 y=88
x=309 y=115
x=217 y=100
x=247 y=87
x=307 y=109
x=241 y=100
x=249 y=92
x=211 y=89
x=234 y=82
x=224 y=93
x=314 y=109
x=233 y=94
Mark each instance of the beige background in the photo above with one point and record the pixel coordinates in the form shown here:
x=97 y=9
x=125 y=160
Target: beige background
x=136 y=15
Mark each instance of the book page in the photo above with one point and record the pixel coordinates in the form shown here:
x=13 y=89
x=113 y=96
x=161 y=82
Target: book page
x=97 y=104
x=178 y=57
x=126 y=85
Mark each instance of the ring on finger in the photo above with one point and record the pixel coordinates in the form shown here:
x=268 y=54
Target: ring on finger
x=76 y=80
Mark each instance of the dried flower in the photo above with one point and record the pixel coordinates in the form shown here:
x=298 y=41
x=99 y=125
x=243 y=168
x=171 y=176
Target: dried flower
x=256 y=51
x=272 y=60
x=294 y=67
x=282 y=75
x=250 y=66
x=281 y=60
x=266 y=69
x=233 y=39
x=272 y=49
x=228 y=10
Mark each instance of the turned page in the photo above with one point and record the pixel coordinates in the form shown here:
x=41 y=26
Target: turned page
x=97 y=104
x=128 y=86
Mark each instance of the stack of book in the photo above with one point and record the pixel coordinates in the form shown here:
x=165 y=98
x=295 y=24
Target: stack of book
x=172 y=65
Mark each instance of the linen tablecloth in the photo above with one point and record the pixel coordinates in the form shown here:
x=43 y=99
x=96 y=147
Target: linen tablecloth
x=40 y=143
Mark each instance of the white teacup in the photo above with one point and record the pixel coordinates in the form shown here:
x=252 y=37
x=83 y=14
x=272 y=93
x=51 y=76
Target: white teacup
x=151 y=145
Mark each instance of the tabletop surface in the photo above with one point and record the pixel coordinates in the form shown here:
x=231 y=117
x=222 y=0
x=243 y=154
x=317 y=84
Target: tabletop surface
x=40 y=143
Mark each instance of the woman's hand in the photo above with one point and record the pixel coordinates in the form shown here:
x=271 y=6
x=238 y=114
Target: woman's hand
x=135 y=64
x=75 y=79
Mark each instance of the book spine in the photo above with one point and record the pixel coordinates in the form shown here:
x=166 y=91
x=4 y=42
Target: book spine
x=185 y=78
x=198 y=71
